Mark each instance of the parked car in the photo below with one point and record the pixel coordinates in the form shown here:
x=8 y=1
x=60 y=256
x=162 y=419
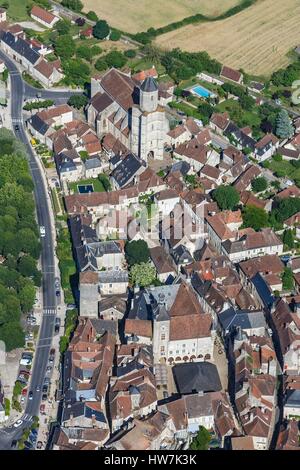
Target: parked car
x=57 y=293
x=44 y=397
x=57 y=282
x=14 y=444
x=49 y=369
x=46 y=381
x=39 y=445
x=45 y=389
x=24 y=392
x=71 y=306
x=42 y=231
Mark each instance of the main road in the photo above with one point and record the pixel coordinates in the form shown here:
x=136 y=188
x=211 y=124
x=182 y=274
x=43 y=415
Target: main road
x=19 y=90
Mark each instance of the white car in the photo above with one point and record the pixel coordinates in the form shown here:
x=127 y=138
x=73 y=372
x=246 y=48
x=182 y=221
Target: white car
x=18 y=423
x=42 y=231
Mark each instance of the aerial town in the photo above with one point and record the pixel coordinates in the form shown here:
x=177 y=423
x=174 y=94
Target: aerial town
x=150 y=240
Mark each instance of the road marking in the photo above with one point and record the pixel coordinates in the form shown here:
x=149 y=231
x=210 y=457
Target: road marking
x=44 y=346
x=49 y=311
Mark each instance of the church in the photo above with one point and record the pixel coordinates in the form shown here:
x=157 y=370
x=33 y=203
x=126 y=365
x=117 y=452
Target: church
x=131 y=111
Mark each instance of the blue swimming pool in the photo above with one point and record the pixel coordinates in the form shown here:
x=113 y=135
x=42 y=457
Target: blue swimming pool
x=85 y=188
x=201 y=91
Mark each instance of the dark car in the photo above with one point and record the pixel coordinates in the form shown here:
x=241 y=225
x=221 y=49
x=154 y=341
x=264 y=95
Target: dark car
x=45 y=389
x=30 y=396
x=44 y=397
x=17 y=128
x=14 y=444
x=57 y=292
x=80 y=21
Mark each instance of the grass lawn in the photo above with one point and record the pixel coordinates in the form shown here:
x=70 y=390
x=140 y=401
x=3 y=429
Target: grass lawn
x=17 y=10
x=285 y=169
x=98 y=186
x=241 y=117
x=185 y=108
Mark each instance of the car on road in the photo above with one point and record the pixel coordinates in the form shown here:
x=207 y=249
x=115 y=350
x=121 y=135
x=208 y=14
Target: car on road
x=49 y=369
x=38 y=388
x=14 y=444
x=42 y=231
x=44 y=397
x=30 y=396
x=57 y=325
x=46 y=381
x=17 y=127
x=57 y=293
x=45 y=388
x=18 y=423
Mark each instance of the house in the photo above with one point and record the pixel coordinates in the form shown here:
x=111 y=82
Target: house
x=113 y=282
x=223 y=226
x=231 y=74
x=88 y=294
x=17 y=48
x=288 y=438
x=212 y=173
x=48 y=73
x=125 y=173
x=46 y=18
x=291 y=191
x=252 y=244
x=251 y=322
x=112 y=308
x=130 y=112
x=266 y=147
x=219 y=121
x=269 y=266
x=138 y=331
x=69 y=166
x=240 y=137
x=247 y=198
x=196 y=378
x=196 y=154
x=163 y=263
x=43 y=123
x=166 y=200
x=291 y=408
x=93 y=167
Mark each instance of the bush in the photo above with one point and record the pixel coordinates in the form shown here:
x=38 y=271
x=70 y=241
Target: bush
x=131 y=53
x=101 y=65
x=78 y=101
x=115 y=36
x=226 y=197
x=101 y=29
x=91 y=15
x=115 y=59
x=259 y=184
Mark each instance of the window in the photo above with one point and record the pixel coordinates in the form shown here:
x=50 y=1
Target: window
x=163 y=336
x=152 y=98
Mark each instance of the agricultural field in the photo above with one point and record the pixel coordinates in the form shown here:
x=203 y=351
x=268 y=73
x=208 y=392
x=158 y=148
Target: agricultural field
x=256 y=39
x=134 y=16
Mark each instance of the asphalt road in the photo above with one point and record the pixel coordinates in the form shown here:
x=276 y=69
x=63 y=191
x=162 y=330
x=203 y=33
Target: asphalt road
x=47 y=259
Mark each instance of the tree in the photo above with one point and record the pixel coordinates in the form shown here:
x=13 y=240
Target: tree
x=63 y=27
x=27 y=266
x=12 y=335
x=287 y=279
x=284 y=128
x=137 y=252
x=101 y=65
x=255 y=217
x=115 y=36
x=91 y=15
x=130 y=53
x=77 y=72
x=247 y=102
x=115 y=59
x=101 y=29
x=78 y=101
x=142 y=274
x=75 y=5
x=65 y=46
x=202 y=440
x=288 y=238
x=226 y=197
x=206 y=110
x=259 y=184
x=105 y=181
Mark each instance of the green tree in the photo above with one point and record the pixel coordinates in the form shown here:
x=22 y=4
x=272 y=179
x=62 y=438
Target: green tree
x=142 y=274
x=284 y=127
x=75 y=5
x=27 y=266
x=288 y=238
x=63 y=27
x=101 y=65
x=27 y=295
x=206 y=110
x=115 y=59
x=12 y=335
x=65 y=46
x=259 y=184
x=255 y=217
x=202 y=440
x=226 y=197
x=91 y=15
x=130 y=53
x=115 y=36
x=105 y=181
x=137 y=252
x=287 y=279
x=77 y=72
x=78 y=101
x=101 y=29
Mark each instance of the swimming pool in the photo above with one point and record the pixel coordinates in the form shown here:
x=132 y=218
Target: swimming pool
x=85 y=188
x=201 y=91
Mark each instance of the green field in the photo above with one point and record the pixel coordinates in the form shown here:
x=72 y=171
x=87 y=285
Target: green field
x=17 y=10
x=284 y=168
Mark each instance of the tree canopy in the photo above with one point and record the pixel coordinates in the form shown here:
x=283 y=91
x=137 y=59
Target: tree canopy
x=226 y=197
x=259 y=184
x=287 y=279
x=19 y=242
x=137 y=252
x=255 y=217
x=284 y=127
x=101 y=29
x=142 y=274
x=202 y=440
x=78 y=101
x=65 y=46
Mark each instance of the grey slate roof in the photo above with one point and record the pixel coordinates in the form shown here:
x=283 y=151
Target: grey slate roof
x=113 y=276
x=292 y=399
x=194 y=377
x=263 y=290
x=245 y=319
x=149 y=85
x=91 y=163
x=21 y=47
x=38 y=124
x=126 y=170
